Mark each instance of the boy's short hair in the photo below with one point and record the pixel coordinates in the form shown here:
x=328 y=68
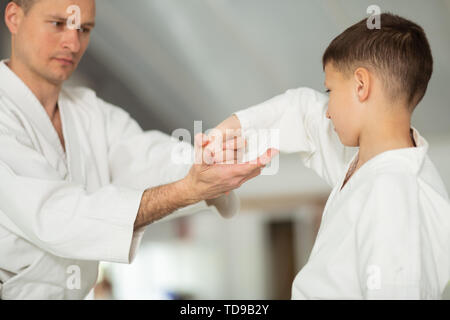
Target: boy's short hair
x=398 y=52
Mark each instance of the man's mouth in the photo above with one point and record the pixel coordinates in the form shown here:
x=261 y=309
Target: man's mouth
x=65 y=61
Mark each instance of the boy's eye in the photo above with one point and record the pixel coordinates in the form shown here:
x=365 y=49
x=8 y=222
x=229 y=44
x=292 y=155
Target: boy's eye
x=327 y=91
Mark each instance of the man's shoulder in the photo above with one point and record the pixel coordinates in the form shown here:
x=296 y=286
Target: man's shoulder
x=79 y=94
x=88 y=104
x=88 y=100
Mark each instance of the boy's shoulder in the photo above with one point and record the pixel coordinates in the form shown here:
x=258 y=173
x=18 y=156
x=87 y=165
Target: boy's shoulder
x=393 y=164
x=386 y=175
x=404 y=173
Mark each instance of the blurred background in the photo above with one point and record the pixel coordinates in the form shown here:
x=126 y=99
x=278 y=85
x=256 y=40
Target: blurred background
x=172 y=62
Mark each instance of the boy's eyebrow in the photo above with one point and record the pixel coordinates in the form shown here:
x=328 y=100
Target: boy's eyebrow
x=63 y=19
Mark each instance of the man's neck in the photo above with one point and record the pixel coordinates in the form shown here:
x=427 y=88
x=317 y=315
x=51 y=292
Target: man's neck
x=46 y=92
x=383 y=135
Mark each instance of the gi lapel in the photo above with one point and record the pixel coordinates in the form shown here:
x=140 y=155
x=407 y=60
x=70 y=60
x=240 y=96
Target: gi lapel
x=37 y=123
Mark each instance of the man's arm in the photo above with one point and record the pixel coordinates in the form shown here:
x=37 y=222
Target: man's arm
x=203 y=182
x=161 y=201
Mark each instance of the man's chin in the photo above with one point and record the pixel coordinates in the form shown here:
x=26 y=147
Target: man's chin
x=59 y=77
x=61 y=72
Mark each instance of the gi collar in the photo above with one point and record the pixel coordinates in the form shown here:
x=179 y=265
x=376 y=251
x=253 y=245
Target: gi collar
x=13 y=88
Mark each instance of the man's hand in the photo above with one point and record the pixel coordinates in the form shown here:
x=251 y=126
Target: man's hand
x=206 y=180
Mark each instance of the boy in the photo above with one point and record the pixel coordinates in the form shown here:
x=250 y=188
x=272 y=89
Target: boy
x=385 y=228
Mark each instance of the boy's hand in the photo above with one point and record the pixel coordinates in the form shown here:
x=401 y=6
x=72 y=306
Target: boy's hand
x=226 y=144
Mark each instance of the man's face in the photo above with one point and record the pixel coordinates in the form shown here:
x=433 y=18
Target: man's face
x=344 y=109
x=45 y=43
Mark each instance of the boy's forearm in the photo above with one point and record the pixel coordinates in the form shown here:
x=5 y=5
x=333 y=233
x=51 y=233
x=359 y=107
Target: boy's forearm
x=268 y=114
x=231 y=123
x=158 y=202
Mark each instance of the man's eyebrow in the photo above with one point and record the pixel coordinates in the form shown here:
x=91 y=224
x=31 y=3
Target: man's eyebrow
x=56 y=17
x=88 y=24
x=59 y=18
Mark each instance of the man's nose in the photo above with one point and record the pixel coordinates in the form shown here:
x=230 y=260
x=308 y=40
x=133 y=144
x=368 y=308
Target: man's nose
x=328 y=115
x=71 y=40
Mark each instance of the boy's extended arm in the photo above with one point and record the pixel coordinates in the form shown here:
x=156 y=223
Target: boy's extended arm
x=298 y=120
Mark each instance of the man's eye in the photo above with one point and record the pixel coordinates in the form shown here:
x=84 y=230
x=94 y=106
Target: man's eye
x=57 y=23
x=327 y=91
x=85 y=30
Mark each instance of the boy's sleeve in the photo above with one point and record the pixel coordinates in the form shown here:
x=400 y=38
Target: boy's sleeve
x=296 y=122
x=388 y=239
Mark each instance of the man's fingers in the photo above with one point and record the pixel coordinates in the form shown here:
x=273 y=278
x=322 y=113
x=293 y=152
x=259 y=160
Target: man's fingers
x=260 y=162
x=268 y=156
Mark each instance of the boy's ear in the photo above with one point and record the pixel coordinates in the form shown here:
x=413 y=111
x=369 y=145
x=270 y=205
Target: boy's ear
x=13 y=16
x=362 y=83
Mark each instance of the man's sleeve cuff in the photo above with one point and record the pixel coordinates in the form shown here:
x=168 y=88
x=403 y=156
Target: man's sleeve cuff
x=125 y=240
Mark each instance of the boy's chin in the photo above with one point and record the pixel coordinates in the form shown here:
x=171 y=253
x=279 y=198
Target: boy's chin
x=349 y=142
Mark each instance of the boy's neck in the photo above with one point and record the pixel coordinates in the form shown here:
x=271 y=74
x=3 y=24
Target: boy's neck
x=383 y=135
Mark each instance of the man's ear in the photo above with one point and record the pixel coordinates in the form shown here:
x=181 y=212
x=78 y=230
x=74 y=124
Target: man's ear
x=363 y=83
x=13 y=17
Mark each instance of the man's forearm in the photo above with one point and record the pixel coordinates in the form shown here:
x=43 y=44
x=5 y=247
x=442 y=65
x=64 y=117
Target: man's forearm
x=158 y=202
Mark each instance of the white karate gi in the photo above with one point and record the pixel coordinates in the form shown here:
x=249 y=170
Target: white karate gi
x=386 y=234
x=63 y=212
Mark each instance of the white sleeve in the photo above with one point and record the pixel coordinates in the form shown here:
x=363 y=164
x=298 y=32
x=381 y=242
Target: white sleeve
x=61 y=217
x=143 y=159
x=298 y=119
x=388 y=239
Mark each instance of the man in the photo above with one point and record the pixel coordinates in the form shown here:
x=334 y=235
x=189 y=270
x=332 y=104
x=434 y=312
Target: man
x=79 y=179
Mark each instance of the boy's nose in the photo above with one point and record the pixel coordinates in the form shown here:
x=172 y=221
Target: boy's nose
x=328 y=115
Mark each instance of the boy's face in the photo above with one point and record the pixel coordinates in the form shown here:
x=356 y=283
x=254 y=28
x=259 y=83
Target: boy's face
x=344 y=109
x=44 y=43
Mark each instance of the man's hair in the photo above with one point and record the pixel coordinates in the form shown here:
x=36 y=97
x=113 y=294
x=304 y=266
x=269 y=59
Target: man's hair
x=24 y=4
x=398 y=52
